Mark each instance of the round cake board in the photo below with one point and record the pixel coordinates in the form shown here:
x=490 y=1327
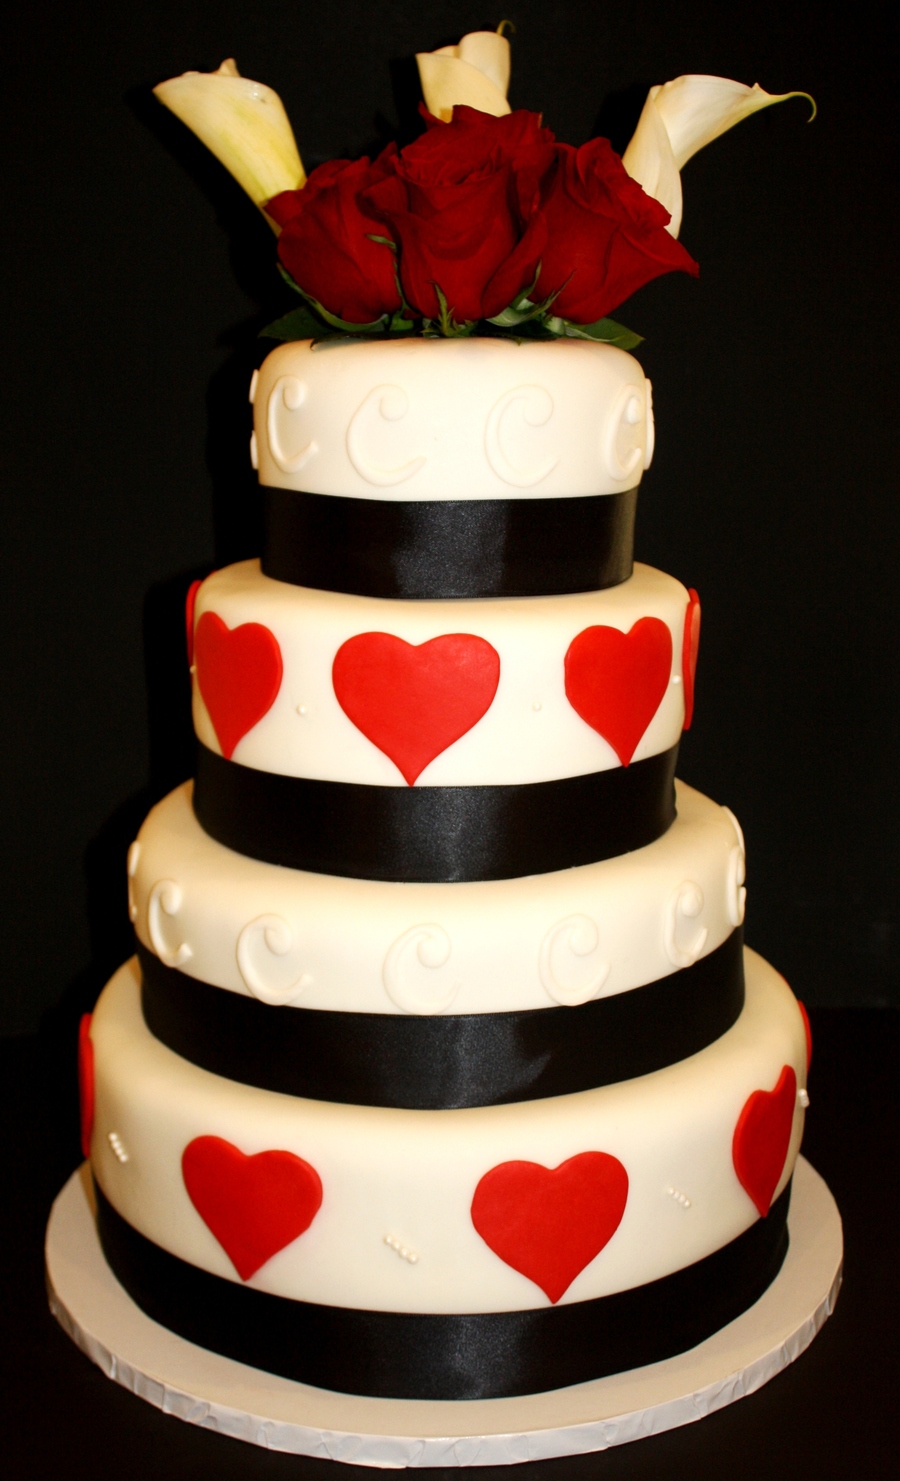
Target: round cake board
x=212 y=1391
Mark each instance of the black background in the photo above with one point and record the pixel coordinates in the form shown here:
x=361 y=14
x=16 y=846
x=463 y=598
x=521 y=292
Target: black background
x=136 y=279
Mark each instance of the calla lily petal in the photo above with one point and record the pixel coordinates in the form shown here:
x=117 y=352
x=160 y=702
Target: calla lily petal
x=681 y=117
x=476 y=72
x=243 y=123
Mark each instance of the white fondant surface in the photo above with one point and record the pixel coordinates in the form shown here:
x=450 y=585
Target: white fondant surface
x=202 y=1388
x=412 y=1174
x=530 y=733
x=367 y=946
x=452 y=419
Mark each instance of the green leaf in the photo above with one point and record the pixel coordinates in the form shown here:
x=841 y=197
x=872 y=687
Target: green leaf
x=289 y=280
x=523 y=308
x=604 y=331
x=509 y=317
x=450 y=327
x=300 y=323
x=344 y=325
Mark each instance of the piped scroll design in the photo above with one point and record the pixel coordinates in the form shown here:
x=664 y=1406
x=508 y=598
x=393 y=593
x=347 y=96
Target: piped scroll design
x=430 y=945
x=290 y=393
x=165 y=899
x=686 y=903
x=134 y=855
x=537 y=409
x=259 y=945
x=628 y=411
x=650 y=431
x=576 y=936
x=393 y=404
x=736 y=895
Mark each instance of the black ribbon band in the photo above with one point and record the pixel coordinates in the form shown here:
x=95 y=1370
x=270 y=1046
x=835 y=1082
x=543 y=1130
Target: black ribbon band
x=434 y=834
x=442 y=1062
x=429 y=550
x=405 y=1355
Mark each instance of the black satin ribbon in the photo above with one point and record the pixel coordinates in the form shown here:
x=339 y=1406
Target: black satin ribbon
x=444 y=1061
x=434 y=834
x=433 y=550
x=485 y=1355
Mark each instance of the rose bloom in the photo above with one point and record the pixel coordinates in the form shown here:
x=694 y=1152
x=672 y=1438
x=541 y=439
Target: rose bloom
x=461 y=204
x=605 y=236
x=325 y=242
x=475 y=207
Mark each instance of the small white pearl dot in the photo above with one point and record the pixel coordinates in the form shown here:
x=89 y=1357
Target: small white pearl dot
x=676 y=678
x=537 y=706
x=301 y=709
x=803 y=1099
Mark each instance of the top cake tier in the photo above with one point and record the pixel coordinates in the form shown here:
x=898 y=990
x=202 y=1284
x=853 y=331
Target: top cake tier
x=452 y=419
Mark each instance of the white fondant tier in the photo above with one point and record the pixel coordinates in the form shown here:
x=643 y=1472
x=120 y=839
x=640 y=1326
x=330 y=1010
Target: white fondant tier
x=281 y=701
x=394 y=1230
x=452 y=419
x=316 y=941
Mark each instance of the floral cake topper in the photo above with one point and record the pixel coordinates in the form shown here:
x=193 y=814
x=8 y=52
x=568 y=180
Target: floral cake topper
x=486 y=223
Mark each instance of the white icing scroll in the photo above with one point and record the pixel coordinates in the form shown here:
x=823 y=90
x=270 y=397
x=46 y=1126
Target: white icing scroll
x=259 y=945
x=650 y=432
x=290 y=393
x=628 y=411
x=393 y=404
x=736 y=895
x=166 y=897
x=576 y=936
x=430 y=945
x=537 y=409
x=134 y=854
x=736 y=826
x=687 y=902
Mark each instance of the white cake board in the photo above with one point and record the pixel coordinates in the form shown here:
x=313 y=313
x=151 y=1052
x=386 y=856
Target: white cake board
x=232 y=1399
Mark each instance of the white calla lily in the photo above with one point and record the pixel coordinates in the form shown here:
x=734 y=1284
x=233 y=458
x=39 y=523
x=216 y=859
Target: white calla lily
x=243 y=123
x=680 y=117
x=476 y=73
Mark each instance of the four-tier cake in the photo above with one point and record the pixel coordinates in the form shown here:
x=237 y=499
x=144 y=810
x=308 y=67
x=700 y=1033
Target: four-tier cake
x=441 y=1070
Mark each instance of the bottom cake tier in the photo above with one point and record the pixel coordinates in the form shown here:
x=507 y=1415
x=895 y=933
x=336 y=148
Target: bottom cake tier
x=449 y=1254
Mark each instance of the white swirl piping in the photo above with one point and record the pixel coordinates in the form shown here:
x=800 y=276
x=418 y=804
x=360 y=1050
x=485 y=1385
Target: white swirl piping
x=275 y=935
x=576 y=936
x=686 y=903
x=431 y=946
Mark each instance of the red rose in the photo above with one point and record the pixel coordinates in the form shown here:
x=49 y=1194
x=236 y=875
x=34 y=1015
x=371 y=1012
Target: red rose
x=605 y=236
x=461 y=203
x=325 y=244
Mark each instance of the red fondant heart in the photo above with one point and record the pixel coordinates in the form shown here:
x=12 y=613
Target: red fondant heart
x=690 y=647
x=253 y=1205
x=807 y=1029
x=549 y=1223
x=190 y=603
x=616 y=680
x=86 y=1082
x=413 y=702
x=239 y=674
x=762 y=1137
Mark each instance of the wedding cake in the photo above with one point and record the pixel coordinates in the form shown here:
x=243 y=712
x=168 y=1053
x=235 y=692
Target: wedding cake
x=442 y=1070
